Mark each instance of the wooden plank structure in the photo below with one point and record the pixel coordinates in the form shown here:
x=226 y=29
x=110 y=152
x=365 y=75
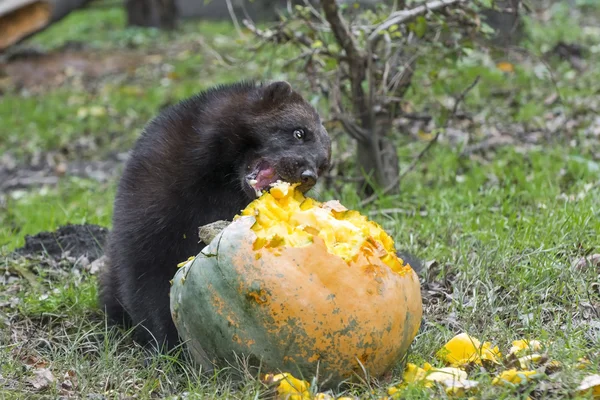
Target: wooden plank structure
x=21 y=18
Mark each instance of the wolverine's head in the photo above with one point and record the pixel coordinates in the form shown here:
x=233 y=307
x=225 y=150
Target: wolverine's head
x=289 y=140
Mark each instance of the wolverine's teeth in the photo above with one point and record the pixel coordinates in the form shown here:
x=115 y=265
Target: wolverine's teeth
x=277 y=183
x=252 y=182
x=258 y=193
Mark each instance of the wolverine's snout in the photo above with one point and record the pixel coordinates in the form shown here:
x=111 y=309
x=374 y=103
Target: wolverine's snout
x=308 y=178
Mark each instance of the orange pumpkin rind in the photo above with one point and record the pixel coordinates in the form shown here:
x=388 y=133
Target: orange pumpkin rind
x=296 y=301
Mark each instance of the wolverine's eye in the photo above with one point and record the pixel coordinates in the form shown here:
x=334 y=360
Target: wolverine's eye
x=299 y=134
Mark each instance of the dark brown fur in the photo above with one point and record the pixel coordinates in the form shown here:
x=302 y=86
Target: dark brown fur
x=190 y=167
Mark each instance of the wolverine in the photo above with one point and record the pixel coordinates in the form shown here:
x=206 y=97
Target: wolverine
x=200 y=161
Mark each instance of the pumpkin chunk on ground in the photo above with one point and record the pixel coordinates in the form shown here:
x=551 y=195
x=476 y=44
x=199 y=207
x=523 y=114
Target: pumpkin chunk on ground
x=285 y=217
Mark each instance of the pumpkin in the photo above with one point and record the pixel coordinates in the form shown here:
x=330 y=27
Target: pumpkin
x=302 y=286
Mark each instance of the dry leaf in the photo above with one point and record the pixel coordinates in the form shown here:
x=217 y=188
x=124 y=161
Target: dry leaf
x=586 y=262
x=60 y=169
x=548 y=101
x=505 y=66
x=42 y=378
x=69 y=380
x=95 y=266
x=34 y=361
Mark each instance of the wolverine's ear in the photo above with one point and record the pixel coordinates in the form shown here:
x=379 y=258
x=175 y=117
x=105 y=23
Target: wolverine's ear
x=277 y=91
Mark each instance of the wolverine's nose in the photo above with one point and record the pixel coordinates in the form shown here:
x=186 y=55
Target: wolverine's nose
x=309 y=178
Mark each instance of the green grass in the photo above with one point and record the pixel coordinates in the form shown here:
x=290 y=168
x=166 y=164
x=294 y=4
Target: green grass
x=503 y=234
x=503 y=227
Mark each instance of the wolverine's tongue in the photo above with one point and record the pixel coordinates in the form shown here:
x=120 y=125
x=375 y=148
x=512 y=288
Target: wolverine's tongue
x=262 y=176
x=265 y=177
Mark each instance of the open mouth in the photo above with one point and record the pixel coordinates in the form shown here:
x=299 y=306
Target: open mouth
x=262 y=177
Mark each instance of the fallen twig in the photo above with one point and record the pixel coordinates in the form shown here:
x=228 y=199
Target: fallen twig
x=26 y=274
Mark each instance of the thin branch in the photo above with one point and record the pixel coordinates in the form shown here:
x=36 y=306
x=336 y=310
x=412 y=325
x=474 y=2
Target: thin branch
x=352 y=128
x=341 y=31
x=314 y=12
x=433 y=141
x=356 y=56
x=248 y=23
x=403 y=16
x=234 y=18
x=319 y=30
x=404 y=76
x=461 y=98
x=215 y=53
x=278 y=35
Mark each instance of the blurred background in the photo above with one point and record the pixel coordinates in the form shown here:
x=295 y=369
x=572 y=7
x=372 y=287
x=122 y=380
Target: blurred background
x=469 y=129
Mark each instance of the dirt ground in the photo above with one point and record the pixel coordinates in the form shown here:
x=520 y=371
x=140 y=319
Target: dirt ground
x=76 y=241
